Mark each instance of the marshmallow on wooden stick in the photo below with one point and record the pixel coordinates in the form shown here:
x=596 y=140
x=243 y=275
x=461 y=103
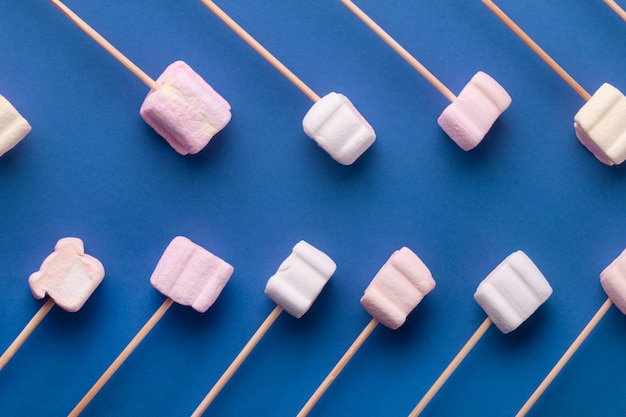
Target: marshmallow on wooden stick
x=68 y=276
x=181 y=106
x=395 y=291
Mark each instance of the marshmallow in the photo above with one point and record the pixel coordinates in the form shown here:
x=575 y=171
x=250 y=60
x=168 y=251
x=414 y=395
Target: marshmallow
x=512 y=292
x=185 y=110
x=338 y=128
x=468 y=118
x=613 y=280
x=190 y=275
x=300 y=279
x=601 y=125
x=13 y=127
x=68 y=275
x=397 y=288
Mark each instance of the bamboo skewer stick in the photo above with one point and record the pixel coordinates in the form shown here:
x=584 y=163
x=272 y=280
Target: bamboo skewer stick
x=478 y=334
x=616 y=8
x=260 y=49
x=82 y=25
x=26 y=332
x=241 y=357
x=565 y=358
x=399 y=49
x=537 y=49
x=338 y=368
x=121 y=358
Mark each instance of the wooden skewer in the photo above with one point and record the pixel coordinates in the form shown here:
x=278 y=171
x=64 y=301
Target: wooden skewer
x=338 y=368
x=230 y=371
x=121 y=358
x=451 y=368
x=537 y=49
x=260 y=49
x=616 y=8
x=30 y=327
x=105 y=44
x=565 y=358
x=399 y=49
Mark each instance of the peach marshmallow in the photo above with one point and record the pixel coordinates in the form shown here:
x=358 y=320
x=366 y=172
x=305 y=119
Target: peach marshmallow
x=613 y=280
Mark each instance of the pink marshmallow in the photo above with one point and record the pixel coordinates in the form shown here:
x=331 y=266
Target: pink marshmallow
x=468 y=118
x=68 y=275
x=397 y=288
x=613 y=280
x=190 y=275
x=185 y=110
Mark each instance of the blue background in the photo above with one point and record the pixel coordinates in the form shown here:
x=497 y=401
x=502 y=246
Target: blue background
x=92 y=168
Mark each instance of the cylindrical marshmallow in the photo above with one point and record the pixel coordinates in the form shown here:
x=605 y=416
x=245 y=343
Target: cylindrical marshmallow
x=13 y=127
x=613 y=280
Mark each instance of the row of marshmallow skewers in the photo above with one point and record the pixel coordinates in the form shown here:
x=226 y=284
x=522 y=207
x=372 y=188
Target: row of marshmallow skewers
x=187 y=112
x=190 y=275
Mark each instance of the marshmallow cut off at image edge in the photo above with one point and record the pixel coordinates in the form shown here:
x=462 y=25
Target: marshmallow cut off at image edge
x=337 y=127
x=300 y=279
x=600 y=125
x=13 y=127
x=613 y=281
x=68 y=275
x=398 y=287
x=512 y=292
x=190 y=275
x=468 y=118
x=185 y=110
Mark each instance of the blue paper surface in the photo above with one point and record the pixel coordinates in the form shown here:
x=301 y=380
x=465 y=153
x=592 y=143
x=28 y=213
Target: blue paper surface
x=91 y=168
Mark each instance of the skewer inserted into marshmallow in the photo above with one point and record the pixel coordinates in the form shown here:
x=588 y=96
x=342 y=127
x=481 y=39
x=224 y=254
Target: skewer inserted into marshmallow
x=510 y=294
x=600 y=125
x=181 y=106
x=398 y=287
x=187 y=274
x=333 y=122
x=294 y=287
x=613 y=281
x=13 y=127
x=68 y=276
x=470 y=115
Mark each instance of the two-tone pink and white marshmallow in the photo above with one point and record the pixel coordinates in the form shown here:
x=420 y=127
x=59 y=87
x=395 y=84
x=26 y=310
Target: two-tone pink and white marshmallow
x=13 y=127
x=468 y=118
x=68 y=275
x=512 y=292
x=190 y=275
x=398 y=287
x=185 y=110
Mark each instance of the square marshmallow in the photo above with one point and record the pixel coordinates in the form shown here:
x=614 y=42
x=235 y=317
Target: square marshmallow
x=190 y=275
x=613 y=280
x=13 y=127
x=300 y=279
x=185 y=110
x=468 y=118
x=398 y=287
x=512 y=292
x=338 y=128
x=601 y=125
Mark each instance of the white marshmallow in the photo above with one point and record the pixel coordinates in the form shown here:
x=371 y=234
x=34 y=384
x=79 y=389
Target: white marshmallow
x=300 y=279
x=338 y=128
x=601 y=125
x=13 y=127
x=512 y=292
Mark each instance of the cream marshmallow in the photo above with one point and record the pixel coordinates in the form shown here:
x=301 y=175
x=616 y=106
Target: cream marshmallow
x=13 y=127
x=68 y=275
x=185 y=110
x=338 y=128
x=600 y=125
x=300 y=279
x=190 y=275
x=512 y=292
x=468 y=118
x=398 y=287
x=613 y=280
